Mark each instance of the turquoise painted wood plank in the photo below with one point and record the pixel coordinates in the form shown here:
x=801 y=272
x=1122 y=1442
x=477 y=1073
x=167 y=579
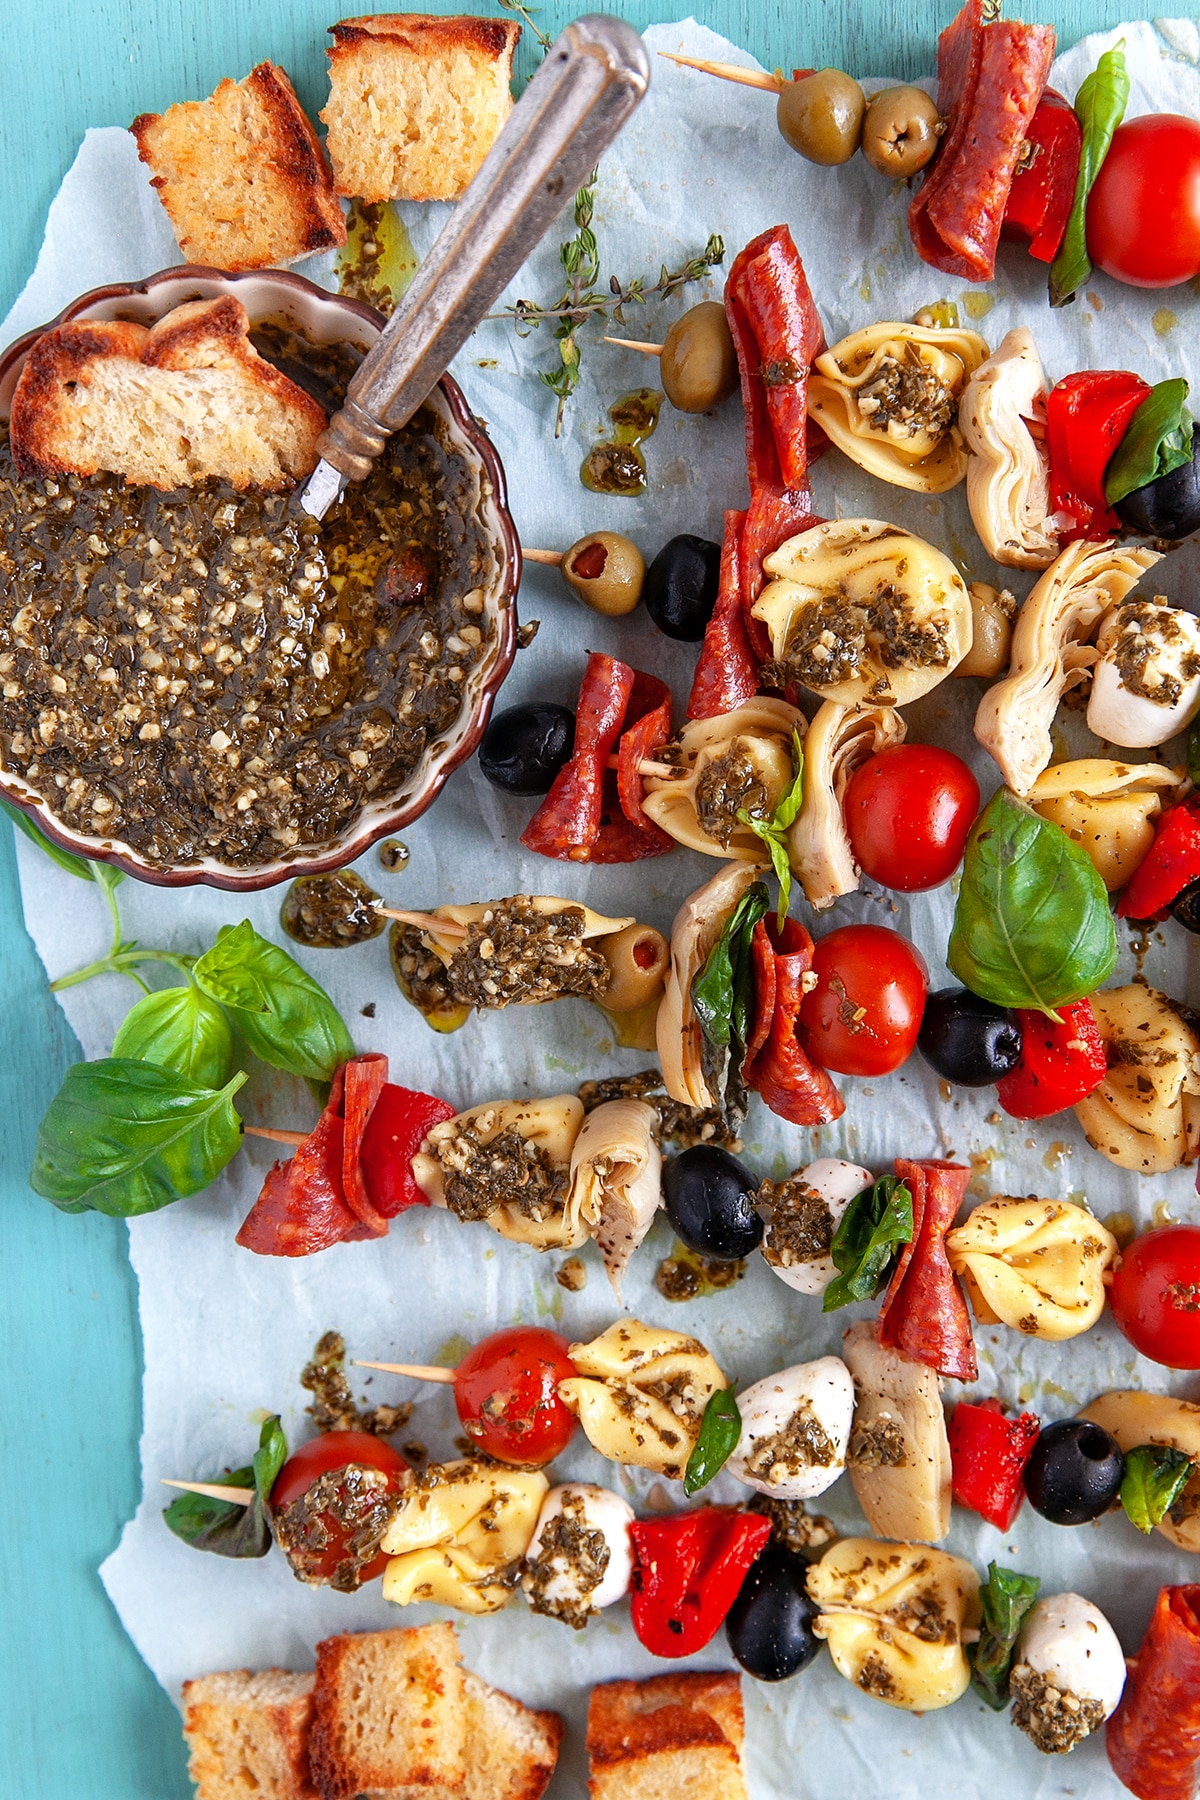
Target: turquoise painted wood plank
x=80 y=1716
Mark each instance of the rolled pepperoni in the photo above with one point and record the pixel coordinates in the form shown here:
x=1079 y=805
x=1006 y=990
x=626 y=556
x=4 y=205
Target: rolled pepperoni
x=567 y=823
x=777 y=333
x=647 y=729
x=1154 y=1736
x=365 y=1079
x=924 y=1314
x=774 y=516
x=727 y=672
x=780 y=1070
x=302 y=1206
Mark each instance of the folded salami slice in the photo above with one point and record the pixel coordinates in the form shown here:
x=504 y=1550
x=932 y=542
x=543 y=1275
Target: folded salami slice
x=647 y=728
x=777 y=1067
x=1154 y=1735
x=727 y=672
x=924 y=1314
x=777 y=333
x=567 y=823
x=991 y=76
x=302 y=1206
x=365 y=1079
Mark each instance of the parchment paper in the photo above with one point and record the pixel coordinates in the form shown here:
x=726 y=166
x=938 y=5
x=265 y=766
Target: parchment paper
x=226 y=1333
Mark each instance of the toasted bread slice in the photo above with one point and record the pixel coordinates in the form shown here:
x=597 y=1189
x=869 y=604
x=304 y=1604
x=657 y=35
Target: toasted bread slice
x=674 y=1737
x=247 y=1735
x=165 y=407
x=242 y=174
x=390 y=1720
x=511 y=1751
x=415 y=102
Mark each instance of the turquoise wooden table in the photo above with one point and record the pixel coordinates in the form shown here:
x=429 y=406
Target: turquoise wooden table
x=80 y=1716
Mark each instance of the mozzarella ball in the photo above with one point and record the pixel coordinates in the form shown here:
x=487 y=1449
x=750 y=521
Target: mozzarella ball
x=1071 y=1644
x=1146 y=684
x=580 y=1558
x=808 y=1209
x=795 y=1429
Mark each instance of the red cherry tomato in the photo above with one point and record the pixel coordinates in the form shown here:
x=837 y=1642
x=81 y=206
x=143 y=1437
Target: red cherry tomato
x=909 y=811
x=506 y=1392
x=1155 y=1295
x=1143 y=214
x=324 y=1455
x=863 y=1015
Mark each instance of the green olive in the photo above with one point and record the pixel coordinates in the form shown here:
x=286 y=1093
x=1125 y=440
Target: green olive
x=606 y=571
x=900 y=132
x=821 y=116
x=699 y=363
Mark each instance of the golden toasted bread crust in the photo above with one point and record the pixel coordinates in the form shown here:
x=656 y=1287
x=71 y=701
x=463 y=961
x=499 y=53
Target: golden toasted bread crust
x=681 y=1731
x=388 y=1715
x=429 y=35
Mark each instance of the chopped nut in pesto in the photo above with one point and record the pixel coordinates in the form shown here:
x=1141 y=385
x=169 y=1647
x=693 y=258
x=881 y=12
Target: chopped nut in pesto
x=907 y=399
x=800 y=1226
x=571 y=1555
x=728 y=785
x=803 y=1443
x=507 y=1171
x=1055 y=1721
x=515 y=955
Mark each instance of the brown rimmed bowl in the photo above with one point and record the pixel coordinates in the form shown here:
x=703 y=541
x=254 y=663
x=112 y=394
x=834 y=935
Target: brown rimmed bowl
x=325 y=318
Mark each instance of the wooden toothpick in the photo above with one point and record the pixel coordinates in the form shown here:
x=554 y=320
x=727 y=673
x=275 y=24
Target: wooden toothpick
x=425 y=921
x=418 y=1371
x=212 y=1490
x=276 y=1137
x=755 y=78
x=634 y=344
x=551 y=558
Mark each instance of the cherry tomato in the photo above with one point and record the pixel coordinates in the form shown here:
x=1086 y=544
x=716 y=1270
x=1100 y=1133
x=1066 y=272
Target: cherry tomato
x=324 y=1455
x=1143 y=214
x=863 y=1015
x=1155 y=1295
x=506 y=1392
x=909 y=811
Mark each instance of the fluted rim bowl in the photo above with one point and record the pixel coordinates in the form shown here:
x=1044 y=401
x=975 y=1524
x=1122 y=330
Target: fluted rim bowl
x=326 y=318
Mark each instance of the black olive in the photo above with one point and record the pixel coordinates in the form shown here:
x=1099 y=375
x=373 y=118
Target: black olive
x=968 y=1040
x=524 y=747
x=1075 y=1472
x=680 y=589
x=1186 y=907
x=769 y=1627
x=1168 y=507
x=709 y=1200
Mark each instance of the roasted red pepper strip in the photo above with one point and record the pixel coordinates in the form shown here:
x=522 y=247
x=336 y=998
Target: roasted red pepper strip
x=780 y=1070
x=762 y=958
x=687 y=1574
x=923 y=1314
x=777 y=333
x=365 y=1079
x=991 y=75
x=988 y=1454
x=1087 y=415
x=567 y=823
x=1171 y=864
x=773 y=517
x=1043 y=189
x=1153 y=1738
x=400 y=1121
x=727 y=672
x=302 y=1206
x=1061 y=1062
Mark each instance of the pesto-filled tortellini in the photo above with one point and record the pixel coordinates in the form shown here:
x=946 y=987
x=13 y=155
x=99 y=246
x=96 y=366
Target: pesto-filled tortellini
x=1134 y=1417
x=459 y=1533
x=1051 y=652
x=1036 y=1265
x=1146 y=682
x=1145 y=1114
x=740 y=761
x=616 y=1180
x=863 y=613
x=507 y=1161
x=698 y=925
x=1008 y=488
x=899 y=1455
x=888 y=397
x=640 y=1394
x=1107 y=808
x=893 y=1616
x=840 y=738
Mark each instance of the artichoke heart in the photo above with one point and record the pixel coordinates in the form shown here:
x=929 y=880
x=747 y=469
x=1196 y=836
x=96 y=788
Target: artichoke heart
x=893 y=1616
x=1135 y=1417
x=1108 y=808
x=888 y=397
x=863 y=613
x=640 y=1394
x=1008 y=472
x=840 y=738
x=459 y=1534
x=1036 y=1265
x=616 y=1180
x=697 y=928
x=740 y=761
x=507 y=1161
x=1145 y=1114
x=899 y=1458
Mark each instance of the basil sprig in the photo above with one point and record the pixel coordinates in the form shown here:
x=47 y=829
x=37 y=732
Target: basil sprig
x=225 y=1526
x=1032 y=923
x=773 y=831
x=1005 y=1597
x=1157 y=439
x=285 y=1016
x=1099 y=106
x=720 y=1434
x=865 y=1244
x=1155 y=1476
x=723 y=1000
x=179 y=1028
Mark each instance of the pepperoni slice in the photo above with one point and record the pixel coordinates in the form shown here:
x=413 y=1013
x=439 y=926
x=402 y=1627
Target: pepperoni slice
x=1153 y=1737
x=567 y=823
x=777 y=333
x=302 y=1206
x=365 y=1079
x=780 y=1070
x=647 y=729
x=727 y=672
x=923 y=1314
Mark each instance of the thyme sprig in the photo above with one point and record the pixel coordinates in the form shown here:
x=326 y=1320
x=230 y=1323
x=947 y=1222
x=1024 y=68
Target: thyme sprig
x=525 y=14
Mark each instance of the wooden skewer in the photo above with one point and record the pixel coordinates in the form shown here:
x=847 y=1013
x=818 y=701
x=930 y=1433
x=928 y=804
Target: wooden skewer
x=633 y=344
x=213 y=1490
x=755 y=78
x=551 y=558
x=276 y=1137
x=418 y=1371
x=425 y=921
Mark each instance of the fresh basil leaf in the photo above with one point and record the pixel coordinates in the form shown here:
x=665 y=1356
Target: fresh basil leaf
x=793 y=797
x=270 y=1456
x=712 y=990
x=772 y=831
x=124 y=1137
x=870 y=1232
x=1154 y=1478
x=720 y=1433
x=1005 y=1598
x=74 y=865
x=224 y=1526
x=1032 y=923
x=182 y=1029
x=1157 y=440
x=285 y=1016
x=1100 y=106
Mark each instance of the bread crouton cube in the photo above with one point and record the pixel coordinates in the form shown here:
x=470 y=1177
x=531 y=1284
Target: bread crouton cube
x=389 y=1716
x=511 y=1751
x=247 y=1735
x=673 y=1737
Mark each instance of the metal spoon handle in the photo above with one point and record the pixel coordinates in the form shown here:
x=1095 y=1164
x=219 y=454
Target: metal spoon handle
x=588 y=85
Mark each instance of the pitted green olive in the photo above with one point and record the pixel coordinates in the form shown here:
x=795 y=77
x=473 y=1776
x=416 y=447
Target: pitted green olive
x=699 y=364
x=606 y=571
x=821 y=116
x=900 y=132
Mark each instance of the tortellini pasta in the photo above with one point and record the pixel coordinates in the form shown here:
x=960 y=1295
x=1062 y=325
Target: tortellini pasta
x=1037 y=1265
x=888 y=397
x=1008 y=471
x=507 y=1161
x=893 y=1616
x=459 y=1534
x=616 y=1180
x=740 y=761
x=863 y=613
x=899 y=1458
x=1134 y=1417
x=640 y=1394
x=1145 y=1114
x=698 y=925
x=839 y=739
x=1108 y=808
